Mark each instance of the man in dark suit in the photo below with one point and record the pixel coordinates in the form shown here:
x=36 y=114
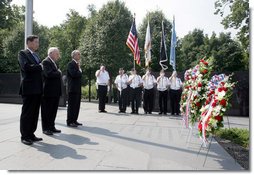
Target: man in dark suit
x=30 y=90
x=52 y=91
x=74 y=74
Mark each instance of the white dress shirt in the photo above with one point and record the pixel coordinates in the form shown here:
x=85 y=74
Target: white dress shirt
x=175 y=83
x=162 y=83
x=148 y=81
x=136 y=80
x=121 y=81
x=53 y=62
x=77 y=63
x=103 y=78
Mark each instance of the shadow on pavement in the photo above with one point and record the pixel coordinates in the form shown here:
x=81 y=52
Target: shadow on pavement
x=57 y=151
x=74 y=139
x=106 y=132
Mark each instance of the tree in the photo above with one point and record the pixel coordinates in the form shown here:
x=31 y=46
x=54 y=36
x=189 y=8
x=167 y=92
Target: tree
x=15 y=42
x=104 y=39
x=227 y=53
x=192 y=48
x=155 y=20
x=238 y=18
x=67 y=36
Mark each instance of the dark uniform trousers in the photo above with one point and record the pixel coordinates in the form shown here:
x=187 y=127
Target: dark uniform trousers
x=122 y=99
x=102 y=94
x=148 y=100
x=163 y=101
x=175 y=96
x=135 y=98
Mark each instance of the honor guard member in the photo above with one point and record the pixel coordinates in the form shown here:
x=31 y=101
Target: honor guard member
x=136 y=83
x=175 y=93
x=102 y=82
x=162 y=87
x=121 y=82
x=148 y=83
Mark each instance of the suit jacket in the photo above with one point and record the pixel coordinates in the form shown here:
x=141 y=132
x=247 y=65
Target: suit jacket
x=74 y=77
x=31 y=74
x=52 y=79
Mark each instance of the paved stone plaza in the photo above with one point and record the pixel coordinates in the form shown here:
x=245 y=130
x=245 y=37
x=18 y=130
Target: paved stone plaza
x=110 y=141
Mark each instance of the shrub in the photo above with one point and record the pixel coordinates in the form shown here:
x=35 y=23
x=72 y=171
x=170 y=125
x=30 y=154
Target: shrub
x=236 y=135
x=85 y=91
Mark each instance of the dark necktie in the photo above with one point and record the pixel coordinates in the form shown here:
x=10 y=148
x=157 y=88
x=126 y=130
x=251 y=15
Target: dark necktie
x=36 y=58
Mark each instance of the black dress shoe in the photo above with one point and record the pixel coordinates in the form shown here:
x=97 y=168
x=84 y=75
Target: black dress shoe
x=72 y=125
x=27 y=141
x=104 y=111
x=36 y=139
x=165 y=113
x=77 y=123
x=55 y=130
x=160 y=113
x=48 y=132
x=150 y=112
x=132 y=112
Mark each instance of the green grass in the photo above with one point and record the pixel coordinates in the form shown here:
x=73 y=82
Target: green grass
x=236 y=135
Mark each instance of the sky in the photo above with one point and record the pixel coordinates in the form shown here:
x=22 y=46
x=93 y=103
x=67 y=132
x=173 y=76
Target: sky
x=189 y=14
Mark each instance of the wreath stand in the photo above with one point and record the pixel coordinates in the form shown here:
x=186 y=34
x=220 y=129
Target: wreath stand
x=209 y=146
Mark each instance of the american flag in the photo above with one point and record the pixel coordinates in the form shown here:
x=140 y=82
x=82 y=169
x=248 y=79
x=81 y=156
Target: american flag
x=132 y=42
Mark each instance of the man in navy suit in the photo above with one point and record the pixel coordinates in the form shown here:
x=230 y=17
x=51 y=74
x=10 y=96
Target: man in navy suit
x=52 y=84
x=30 y=90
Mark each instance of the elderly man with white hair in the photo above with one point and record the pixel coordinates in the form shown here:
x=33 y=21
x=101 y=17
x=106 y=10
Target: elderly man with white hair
x=74 y=75
x=52 y=91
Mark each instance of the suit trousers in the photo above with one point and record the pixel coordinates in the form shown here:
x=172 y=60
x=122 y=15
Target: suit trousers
x=73 y=107
x=148 y=100
x=29 y=115
x=49 y=108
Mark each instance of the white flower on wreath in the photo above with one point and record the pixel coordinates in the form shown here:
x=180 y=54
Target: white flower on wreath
x=221 y=95
x=213 y=122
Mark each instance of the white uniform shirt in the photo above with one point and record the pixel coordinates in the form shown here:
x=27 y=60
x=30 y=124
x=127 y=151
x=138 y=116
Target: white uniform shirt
x=162 y=83
x=136 y=80
x=175 y=83
x=121 y=81
x=148 y=81
x=103 y=78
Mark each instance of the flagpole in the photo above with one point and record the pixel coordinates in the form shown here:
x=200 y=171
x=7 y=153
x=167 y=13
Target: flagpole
x=134 y=65
x=150 y=36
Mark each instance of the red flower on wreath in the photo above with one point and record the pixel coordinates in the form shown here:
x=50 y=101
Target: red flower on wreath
x=199 y=84
x=213 y=104
x=205 y=71
x=198 y=104
x=223 y=102
x=200 y=126
x=218 y=117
